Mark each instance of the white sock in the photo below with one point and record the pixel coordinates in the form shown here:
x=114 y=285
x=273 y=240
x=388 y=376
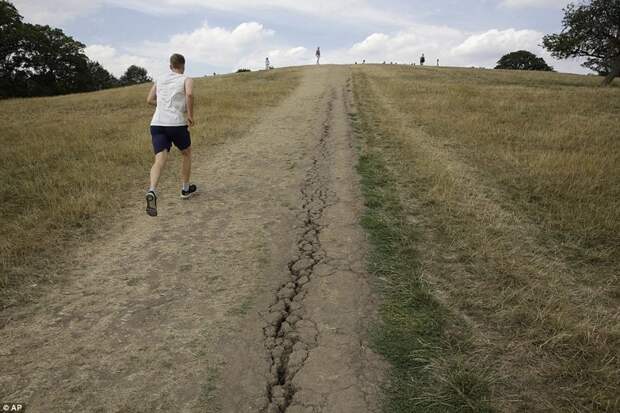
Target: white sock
x=186 y=186
x=151 y=189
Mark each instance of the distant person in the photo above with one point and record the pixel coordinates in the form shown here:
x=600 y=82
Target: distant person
x=267 y=64
x=173 y=95
x=364 y=61
x=422 y=60
x=437 y=62
x=318 y=55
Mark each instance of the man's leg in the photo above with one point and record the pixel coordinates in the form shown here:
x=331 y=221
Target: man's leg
x=160 y=160
x=183 y=141
x=186 y=166
x=151 y=197
x=161 y=148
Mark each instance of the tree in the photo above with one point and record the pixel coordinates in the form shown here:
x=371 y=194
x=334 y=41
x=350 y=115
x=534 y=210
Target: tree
x=135 y=75
x=523 y=60
x=99 y=78
x=52 y=62
x=591 y=31
x=11 y=34
x=41 y=60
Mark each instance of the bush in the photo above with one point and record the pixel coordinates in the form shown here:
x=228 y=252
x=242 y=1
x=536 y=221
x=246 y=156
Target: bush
x=523 y=60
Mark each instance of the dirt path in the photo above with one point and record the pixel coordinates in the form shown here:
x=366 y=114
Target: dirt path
x=251 y=297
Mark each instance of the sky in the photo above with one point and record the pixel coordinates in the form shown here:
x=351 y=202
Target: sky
x=224 y=35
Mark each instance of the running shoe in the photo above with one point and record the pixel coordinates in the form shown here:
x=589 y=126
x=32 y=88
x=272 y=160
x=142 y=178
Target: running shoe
x=187 y=194
x=151 y=203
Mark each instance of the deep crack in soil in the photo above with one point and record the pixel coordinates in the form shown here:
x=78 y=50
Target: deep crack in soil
x=288 y=336
x=156 y=317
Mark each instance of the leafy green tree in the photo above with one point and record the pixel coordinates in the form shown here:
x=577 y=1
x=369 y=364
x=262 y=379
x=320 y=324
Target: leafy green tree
x=53 y=62
x=99 y=78
x=523 y=60
x=135 y=75
x=37 y=60
x=10 y=35
x=40 y=60
x=592 y=31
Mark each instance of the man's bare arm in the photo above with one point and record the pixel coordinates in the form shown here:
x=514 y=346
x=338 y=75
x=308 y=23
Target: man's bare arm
x=151 y=99
x=189 y=100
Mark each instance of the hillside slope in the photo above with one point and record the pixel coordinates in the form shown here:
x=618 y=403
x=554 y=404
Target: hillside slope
x=237 y=300
x=487 y=275
x=70 y=163
x=494 y=211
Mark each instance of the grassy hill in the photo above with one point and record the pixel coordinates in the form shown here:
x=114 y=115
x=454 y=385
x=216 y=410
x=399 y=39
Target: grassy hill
x=69 y=163
x=492 y=208
x=494 y=211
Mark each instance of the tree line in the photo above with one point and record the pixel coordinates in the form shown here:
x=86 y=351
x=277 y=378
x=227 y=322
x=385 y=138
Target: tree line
x=38 y=60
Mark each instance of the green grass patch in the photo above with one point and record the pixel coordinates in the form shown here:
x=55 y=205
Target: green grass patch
x=425 y=344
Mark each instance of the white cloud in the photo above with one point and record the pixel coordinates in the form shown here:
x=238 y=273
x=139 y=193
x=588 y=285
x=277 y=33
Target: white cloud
x=490 y=44
x=278 y=57
x=117 y=63
x=55 y=12
x=212 y=45
x=541 y=4
x=484 y=49
x=341 y=10
x=406 y=45
x=453 y=47
x=361 y=11
x=245 y=46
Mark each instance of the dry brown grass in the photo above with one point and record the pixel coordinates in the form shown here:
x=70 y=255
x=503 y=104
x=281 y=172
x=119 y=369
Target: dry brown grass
x=69 y=163
x=512 y=181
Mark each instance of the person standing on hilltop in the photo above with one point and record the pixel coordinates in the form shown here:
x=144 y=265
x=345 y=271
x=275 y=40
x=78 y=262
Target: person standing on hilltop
x=422 y=60
x=173 y=95
x=267 y=64
x=318 y=55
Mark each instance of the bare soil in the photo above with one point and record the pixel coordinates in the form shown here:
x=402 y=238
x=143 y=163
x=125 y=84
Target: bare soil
x=250 y=297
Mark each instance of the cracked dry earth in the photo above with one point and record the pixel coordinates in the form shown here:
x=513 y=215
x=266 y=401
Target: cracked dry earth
x=251 y=297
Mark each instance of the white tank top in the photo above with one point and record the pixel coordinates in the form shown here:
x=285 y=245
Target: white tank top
x=171 y=105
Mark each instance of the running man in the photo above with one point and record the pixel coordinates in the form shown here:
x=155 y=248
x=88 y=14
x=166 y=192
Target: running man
x=318 y=55
x=174 y=98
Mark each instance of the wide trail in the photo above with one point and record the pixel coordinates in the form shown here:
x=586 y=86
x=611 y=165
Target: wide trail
x=251 y=297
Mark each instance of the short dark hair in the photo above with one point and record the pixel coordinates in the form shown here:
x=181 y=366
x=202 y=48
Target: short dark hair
x=177 y=60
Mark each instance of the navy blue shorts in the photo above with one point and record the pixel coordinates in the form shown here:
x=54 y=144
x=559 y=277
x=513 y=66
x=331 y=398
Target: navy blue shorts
x=164 y=136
